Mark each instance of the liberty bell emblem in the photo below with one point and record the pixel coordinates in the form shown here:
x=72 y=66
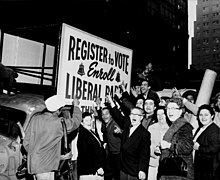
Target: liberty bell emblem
x=118 y=79
x=81 y=71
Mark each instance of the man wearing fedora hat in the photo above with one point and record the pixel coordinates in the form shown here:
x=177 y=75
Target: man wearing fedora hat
x=43 y=137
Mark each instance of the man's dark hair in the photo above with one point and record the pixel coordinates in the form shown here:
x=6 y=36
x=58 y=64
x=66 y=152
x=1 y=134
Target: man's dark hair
x=85 y=114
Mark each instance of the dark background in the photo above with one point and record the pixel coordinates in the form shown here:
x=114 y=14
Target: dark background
x=121 y=21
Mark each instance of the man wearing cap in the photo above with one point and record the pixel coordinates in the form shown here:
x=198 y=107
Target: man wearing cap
x=43 y=137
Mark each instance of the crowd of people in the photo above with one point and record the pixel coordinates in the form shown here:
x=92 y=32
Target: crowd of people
x=128 y=138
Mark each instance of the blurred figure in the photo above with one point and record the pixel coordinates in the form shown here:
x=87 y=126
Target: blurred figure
x=217 y=109
x=163 y=100
x=191 y=96
x=207 y=146
x=150 y=73
x=140 y=103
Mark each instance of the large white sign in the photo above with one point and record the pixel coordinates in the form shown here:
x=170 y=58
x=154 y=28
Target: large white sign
x=90 y=67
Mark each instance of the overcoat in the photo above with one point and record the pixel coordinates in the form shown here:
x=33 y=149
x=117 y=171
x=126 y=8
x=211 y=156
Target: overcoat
x=206 y=161
x=180 y=133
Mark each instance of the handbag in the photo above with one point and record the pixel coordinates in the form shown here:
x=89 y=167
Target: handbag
x=22 y=170
x=65 y=169
x=173 y=165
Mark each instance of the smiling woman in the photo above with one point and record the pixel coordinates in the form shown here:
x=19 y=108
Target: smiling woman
x=206 y=146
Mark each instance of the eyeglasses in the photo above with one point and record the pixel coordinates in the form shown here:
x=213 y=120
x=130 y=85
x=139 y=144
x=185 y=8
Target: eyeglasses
x=136 y=114
x=172 y=108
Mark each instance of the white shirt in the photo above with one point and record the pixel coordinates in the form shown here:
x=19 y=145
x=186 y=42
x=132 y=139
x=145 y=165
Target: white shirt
x=132 y=129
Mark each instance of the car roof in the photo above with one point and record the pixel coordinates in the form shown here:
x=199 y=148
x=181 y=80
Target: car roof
x=29 y=103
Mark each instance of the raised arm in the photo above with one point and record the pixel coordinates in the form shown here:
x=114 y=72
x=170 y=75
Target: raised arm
x=73 y=121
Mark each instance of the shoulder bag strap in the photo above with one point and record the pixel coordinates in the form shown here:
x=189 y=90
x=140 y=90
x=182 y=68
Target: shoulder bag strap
x=65 y=136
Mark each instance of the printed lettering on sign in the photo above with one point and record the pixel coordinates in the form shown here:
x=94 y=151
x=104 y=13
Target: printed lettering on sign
x=90 y=67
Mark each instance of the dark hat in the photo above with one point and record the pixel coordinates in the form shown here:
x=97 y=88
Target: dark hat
x=85 y=114
x=153 y=96
x=216 y=96
x=190 y=92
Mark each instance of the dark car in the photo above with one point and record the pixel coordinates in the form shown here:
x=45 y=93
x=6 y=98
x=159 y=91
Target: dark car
x=15 y=114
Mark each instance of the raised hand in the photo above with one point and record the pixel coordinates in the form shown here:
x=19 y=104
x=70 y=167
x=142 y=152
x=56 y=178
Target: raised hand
x=75 y=102
x=118 y=93
x=176 y=93
x=110 y=100
x=134 y=92
x=122 y=86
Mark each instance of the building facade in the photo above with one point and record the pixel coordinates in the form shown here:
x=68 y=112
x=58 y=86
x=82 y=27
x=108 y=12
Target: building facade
x=206 y=41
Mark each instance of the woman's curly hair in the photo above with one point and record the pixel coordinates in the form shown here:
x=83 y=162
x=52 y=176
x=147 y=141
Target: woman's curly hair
x=178 y=101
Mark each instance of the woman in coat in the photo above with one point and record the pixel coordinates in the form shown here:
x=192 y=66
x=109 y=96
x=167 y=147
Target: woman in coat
x=157 y=131
x=207 y=146
x=91 y=156
x=180 y=135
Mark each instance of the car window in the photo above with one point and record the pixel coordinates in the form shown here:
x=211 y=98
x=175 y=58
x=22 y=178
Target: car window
x=8 y=121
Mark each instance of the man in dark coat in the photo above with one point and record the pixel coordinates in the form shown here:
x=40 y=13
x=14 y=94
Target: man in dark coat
x=135 y=145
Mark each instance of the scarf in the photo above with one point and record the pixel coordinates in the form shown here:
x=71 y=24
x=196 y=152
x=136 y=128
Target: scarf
x=174 y=128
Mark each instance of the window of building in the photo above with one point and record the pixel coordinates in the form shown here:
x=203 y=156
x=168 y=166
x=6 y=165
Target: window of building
x=205 y=41
x=216 y=48
x=215 y=22
x=215 y=7
x=205 y=57
x=207 y=50
x=205 y=24
x=206 y=32
x=216 y=55
x=205 y=16
x=216 y=30
x=205 y=9
x=215 y=14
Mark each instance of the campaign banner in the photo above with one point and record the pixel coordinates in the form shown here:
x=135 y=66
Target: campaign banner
x=90 y=67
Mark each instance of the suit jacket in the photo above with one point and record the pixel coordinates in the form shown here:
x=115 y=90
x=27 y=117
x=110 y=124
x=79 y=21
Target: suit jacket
x=207 y=162
x=91 y=154
x=151 y=94
x=135 y=150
